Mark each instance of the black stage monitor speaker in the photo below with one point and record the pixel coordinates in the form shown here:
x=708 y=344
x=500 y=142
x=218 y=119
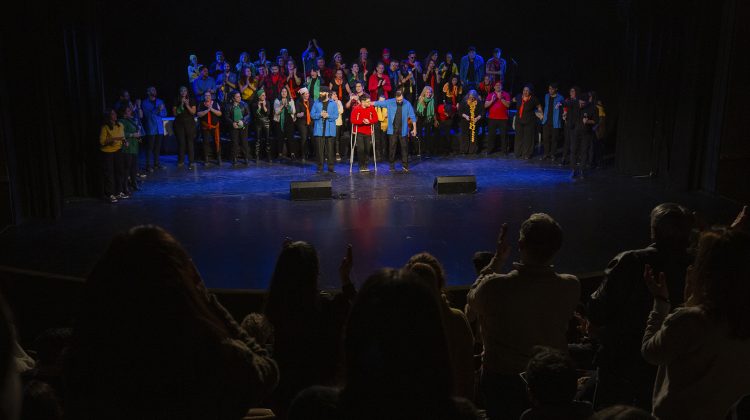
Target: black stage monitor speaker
x=456 y=184
x=310 y=190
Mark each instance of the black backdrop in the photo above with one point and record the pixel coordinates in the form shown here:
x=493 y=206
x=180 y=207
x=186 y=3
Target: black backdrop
x=659 y=67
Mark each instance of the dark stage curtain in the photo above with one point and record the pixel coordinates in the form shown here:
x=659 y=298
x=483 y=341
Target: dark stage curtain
x=54 y=84
x=670 y=52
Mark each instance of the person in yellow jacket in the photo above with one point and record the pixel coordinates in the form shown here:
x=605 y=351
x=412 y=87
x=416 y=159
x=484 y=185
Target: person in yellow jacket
x=111 y=139
x=380 y=130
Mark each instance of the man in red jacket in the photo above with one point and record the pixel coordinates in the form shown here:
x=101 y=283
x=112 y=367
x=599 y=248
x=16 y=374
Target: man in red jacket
x=363 y=117
x=379 y=83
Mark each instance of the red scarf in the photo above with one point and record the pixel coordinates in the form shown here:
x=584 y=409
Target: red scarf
x=209 y=125
x=307 y=111
x=523 y=103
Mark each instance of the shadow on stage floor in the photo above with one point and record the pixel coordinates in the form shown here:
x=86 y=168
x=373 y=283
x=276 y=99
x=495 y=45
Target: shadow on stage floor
x=233 y=221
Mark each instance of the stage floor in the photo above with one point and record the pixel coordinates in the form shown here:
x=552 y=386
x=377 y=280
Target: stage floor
x=233 y=221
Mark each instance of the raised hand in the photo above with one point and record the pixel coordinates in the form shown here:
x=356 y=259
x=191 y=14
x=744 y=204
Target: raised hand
x=345 y=268
x=657 y=287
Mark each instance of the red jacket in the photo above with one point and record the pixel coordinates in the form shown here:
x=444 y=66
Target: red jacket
x=359 y=114
x=372 y=86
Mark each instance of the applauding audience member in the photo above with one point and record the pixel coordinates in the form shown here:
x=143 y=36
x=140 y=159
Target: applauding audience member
x=529 y=306
x=702 y=349
x=151 y=339
x=619 y=308
x=457 y=329
x=397 y=359
x=307 y=322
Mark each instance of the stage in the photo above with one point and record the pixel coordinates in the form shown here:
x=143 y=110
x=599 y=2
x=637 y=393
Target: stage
x=233 y=221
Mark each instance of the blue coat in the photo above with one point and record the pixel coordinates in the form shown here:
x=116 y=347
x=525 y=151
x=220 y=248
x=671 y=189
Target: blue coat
x=463 y=69
x=152 y=117
x=407 y=111
x=556 y=110
x=330 y=122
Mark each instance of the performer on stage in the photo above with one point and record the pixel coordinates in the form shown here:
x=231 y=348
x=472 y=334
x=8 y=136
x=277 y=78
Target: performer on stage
x=529 y=114
x=111 y=138
x=379 y=83
x=448 y=67
x=381 y=142
x=426 y=121
x=471 y=113
x=263 y=114
x=340 y=144
x=431 y=78
x=355 y=76
x=452 y=91
x=274 y=82
x=394 y=73
x=133 y=134
x=184 y=110
x=283 y=119
x=572 y=118
x=552 y=122
x=227 y=82
x=579 y=145
x=248 y=84
x=497 y=103
x=496 y=65
x=203 y=84
x=237 y=115
x=293 y=78
x=324 y=113
x=304 y=121
x=399 y=113
x=364 y=117
x=193 y=68
x=314 y=83
x=209 y=113
x=153 y=113
x=217 y=67
x=471 y=69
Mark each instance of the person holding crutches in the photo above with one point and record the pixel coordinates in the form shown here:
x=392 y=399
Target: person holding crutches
x=363 y=117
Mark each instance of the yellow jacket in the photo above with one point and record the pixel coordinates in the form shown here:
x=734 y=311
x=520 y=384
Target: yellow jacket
x=382 y=117
x=118 y=130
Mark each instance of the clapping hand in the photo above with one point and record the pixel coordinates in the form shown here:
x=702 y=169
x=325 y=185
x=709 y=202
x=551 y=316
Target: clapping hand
x=502 y=251
x=366 y=121
x=345 y=268
x=742 y=221
x=657 y=287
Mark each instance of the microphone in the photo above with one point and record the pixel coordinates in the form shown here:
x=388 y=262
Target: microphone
x=512 y=60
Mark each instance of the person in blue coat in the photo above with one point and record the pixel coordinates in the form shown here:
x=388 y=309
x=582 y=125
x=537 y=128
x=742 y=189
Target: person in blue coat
x=153 y=111
x=399 y=113
x=324 y=113
x=552 y=122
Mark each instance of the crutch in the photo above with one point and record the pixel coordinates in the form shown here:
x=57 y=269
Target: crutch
x=372 y=138
x=352 y=138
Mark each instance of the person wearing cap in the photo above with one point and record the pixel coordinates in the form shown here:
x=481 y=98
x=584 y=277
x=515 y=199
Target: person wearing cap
x=399 y=113
x=311 y=54
x=496 y=65
x=471 y=70
x=364 y=117
x=262 y=61
x=324 y=114
x=204 y=83
x=303 y=122
x=379 y=83
x=193 y=68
